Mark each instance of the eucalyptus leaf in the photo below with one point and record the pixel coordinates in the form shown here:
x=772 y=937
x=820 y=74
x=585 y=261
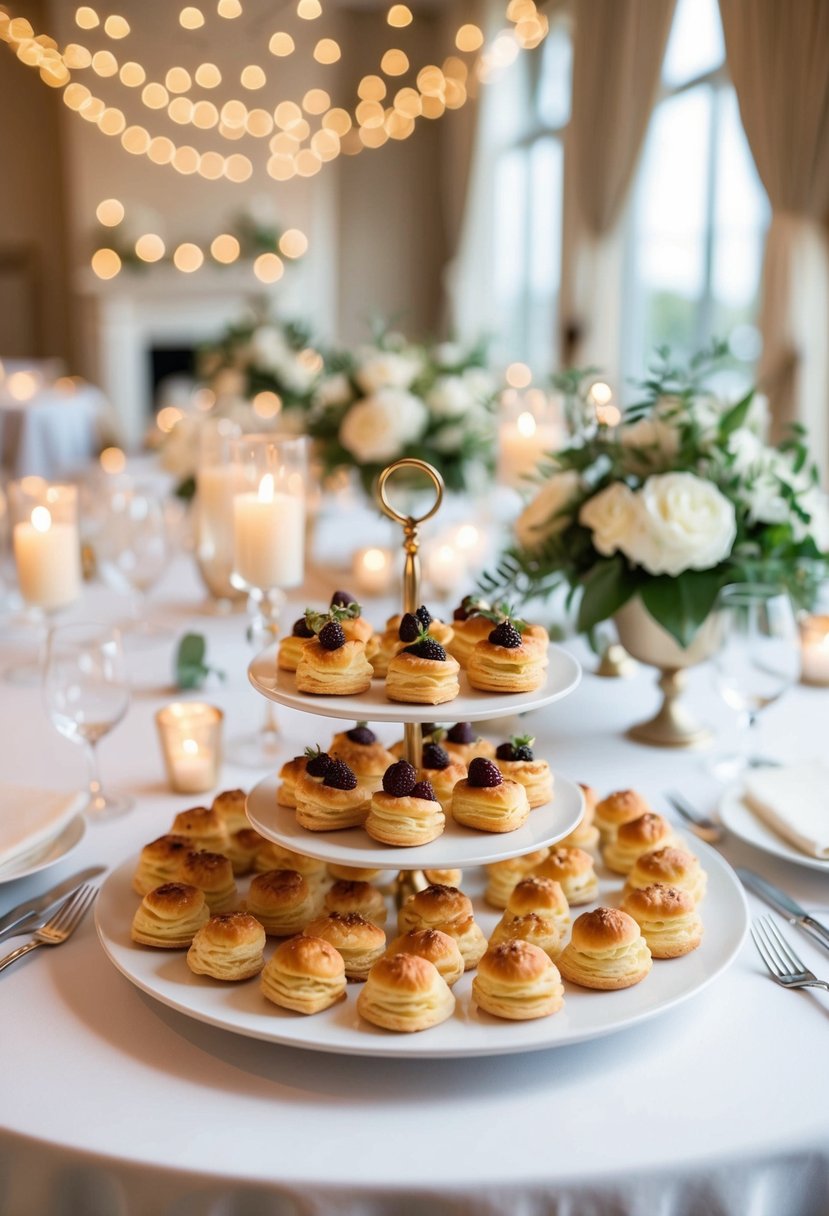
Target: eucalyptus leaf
x=681 y=604
x=607 y=587
x=191 y=668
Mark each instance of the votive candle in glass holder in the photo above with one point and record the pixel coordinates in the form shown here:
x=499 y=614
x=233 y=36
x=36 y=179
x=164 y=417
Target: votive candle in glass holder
x=46 y=542
x=190 y=733
x=814 y=649
x=530 y=428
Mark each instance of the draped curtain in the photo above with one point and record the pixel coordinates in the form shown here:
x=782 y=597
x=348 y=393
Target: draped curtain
x=778 y=57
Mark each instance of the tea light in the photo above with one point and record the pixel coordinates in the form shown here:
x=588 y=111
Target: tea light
x=814 y=650
x=269 y=537
x=373 y=571
x=46 y=543
x=522 y=444
x=190 y=735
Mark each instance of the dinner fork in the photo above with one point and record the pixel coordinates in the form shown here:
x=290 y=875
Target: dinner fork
x=785 y=966
x=61 y=926
x=704 y=827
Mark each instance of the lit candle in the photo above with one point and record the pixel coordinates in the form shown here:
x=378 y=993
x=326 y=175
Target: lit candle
x=190 y=734
x=216 y=485
x=445 y=569
x=195 y=768
x=48 y=559
x=522 y=444
x=269 y=537
x=814 y=653
x=372 y=570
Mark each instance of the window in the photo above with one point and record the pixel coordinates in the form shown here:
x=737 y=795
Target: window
x=699 y=213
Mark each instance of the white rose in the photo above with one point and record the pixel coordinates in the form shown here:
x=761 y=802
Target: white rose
x=333 y=390
x=611 y=515
x=448 y=354
x=386 y=369
x=378 y=427
x=449 y=397
x=296 y=375
x=480 y=383
x=449 y=438
x=268 y=348
x=816 y=505
x=683 y=523
x=547 y=513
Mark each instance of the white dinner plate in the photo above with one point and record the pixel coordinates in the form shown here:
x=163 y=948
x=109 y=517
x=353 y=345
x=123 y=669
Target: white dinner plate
x=48 y=854
x=740 y=819
x=457 y=846
x=563 y=676
x=241 y=1008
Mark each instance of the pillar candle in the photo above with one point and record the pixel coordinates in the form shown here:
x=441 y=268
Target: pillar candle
x=269 y=537
x=521 y=445
x=48 y=560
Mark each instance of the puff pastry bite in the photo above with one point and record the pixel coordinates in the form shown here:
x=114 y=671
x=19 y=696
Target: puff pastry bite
x=672 y=867
x=353 y=873
x=585 y=835
x=363 y=752
x=573 y=869
x=243 y=849
x=517 y=981
x=516 y=760
x=463 y=743
x=289 y=775
x=542 y=897
x=634 y=838
x=230 y=806
x=422 y=673
x=503 y=662
x=290 y=647
x=160 y=862
x=338 y=801
x=606 y=951
x=205 y=829
x=281 y=901
x=353 y=896
x=487 y=801
x=528 y=928
x=405 y=812
x=405 y=993
x=617 y=808
x=388 y=644
x=441 y=771
x=228 y=947
x=212 y=873
x=170 y=916
x=447 y=909
x=437 y=947
x=273 y=856
x=667 y=917
x=349 y=614
x=439 y=630
x=331 y=665
x=359 y=941
x=503 y=876
x=470 y=626
x=449 y=878
x=305 y=974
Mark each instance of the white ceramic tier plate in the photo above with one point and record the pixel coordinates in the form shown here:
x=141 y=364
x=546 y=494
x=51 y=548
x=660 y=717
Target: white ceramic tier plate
x=563 y=676
x=458 y=846
x=47 y=854
x=241 y=1008
x=740 y=819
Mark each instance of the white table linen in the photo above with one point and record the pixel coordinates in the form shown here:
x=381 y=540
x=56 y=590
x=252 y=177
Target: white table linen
x=111 y=1105
x=52 y=435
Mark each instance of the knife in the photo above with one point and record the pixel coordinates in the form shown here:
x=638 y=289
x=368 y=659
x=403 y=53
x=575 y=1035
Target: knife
x=11 y=922
x=785 y=905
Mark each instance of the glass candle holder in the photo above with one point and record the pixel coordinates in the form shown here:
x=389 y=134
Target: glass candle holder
x=190 y=733
x=814 y=649
x=217 y=479
x=530 y=427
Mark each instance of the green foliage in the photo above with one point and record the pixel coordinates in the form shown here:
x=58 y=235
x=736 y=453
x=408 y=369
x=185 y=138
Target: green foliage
x=191 y=668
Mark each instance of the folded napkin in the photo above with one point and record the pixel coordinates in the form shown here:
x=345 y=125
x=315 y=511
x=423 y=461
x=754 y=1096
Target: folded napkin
x=793 y=800
x=31 y=818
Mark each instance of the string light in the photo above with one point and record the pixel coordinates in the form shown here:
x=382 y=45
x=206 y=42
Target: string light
x=106 y=263
x=399 y=15
x=268 y=268
x=281 y=44
x=85 y=19
x=110 y=212
x=191 y=18
x=309 y=10
x=327 y=51
x=150 y=247
x=116 y=27
x=188 y=257
x=224 y=248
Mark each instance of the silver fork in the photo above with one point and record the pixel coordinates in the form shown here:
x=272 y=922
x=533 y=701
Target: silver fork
x=704 y=827
x=785 y=966
x=61 y=926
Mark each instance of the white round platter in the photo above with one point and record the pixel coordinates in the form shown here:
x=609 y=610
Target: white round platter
x=48 y=854
x=241 y=1008
x=563 y=676
x=458 y=846
x=738 y=817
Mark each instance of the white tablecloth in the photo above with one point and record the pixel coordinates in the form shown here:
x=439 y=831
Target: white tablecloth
x=111 y=1105
x=55 y=434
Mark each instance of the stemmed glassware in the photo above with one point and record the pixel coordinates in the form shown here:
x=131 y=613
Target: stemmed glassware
x=216 y=477
x=133 y=552
x=757 y=660
x=86 y=694
x=268 y=550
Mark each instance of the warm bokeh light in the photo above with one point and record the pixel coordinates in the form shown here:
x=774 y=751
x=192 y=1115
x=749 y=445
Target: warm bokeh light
x=229 y=8
x=205 y=116
x=212 y=166
x=113 y=460
x=116 y=27
x=371 y=88
x=526 y=425
x=105 y=263
x=150 y=247
x=238 y=168
x=109 y=212
x=104 y=63
x=161 y=150
x=22 y=385
x=208 y=76
x=308 y=9
x=224 y=248
x=136 y=140
x=86 y=18
x=188 y=257
x=132 y=75
x=518 y=375
x=268 y=268
x=155 y=96
x=281 y=44
x=287 y=114
x=167 y=418
x=178 y=80
x=259 y=123
x=327 y=51
x=608 y=415
x=267 y=404
x=316 y=101
x=253 y=77
x=311 y=360
x=180 y=109
x=394 y=63
x=76 y=56
x=112 y=121
x=469 y=38
x=186 y=160
x=600 y=393
x=234 y=113
x=191 y=18
x=399 y=15
x=338 y=121
x=293 y=243
x=370 y=114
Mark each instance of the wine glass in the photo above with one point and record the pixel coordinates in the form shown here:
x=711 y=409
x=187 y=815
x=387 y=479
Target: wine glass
x=86 y=694
x=133 y=553
x=757 y=660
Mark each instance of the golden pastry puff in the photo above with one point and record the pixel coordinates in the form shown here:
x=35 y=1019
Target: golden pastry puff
x=439 y=630
x=487 y=801
x=517 y=981
x=405 y=993
x=531 y=928
x=668 y=919
x=281 y=901
x=338 y=801
x=228 y=947
x=634 y=838
x=353 y=873
x=160 y=862
x=230 y=805
x=417 y=679
x=213 y=874
x=672 y=867
x=574 y=870
x=606 y=951
x=349 y=614
x=353 y=896
x=441 y=771
x=503 y=876
x=463 y=743
x=503 y=662
x=466 y=635
x=289 y=775
x=433 y=944
x=359 y=941
x=273 y=856
x=339 y=672
x=517 y=761
x=449 y=878
x=205 y=829
x=170 y=916
x=585 y=835
x=290 y=647
x=305 y=974
x=388 y=644
x=447 y=909
x=405 y=812
x=243 y=849
x=617 y=808
x=362 y=751
x=537 y=635
x=542 y=896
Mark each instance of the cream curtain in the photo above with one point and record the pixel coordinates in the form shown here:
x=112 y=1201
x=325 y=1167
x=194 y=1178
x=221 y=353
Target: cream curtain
x=778 y=57
x=618 y=50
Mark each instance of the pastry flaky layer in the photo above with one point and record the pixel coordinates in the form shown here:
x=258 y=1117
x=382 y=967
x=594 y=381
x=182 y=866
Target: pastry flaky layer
x=573 y=869
x=433 y=944
x=531 y=927
x=405 y=993
x=617 y=808
x=305 y=974
x=672 y=867
x=443 y=781
x=534 y=775
x=243 y=849
x=466 y=752
x=334 y=673
x=637 y=836
x=272 y=856
x=667 y=917
x=493 y=668
x=516 y=980
x=417 y=681
x=289 y=776
x=230 y=806
x=319 y=808
x=366 y=760
x=358 y=941
x=353 y=895
x=606 y=951
x=160 y=862
x=212 y=873
x=290 y=652
x=503 y=876
x=495 y=808
x=404 y=821
x=228 y=947
x=282 y=901
x=170 y=916
x=466 y=636
x=205 y=829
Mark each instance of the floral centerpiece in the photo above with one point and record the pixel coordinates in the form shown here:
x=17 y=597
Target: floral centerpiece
x=394 y=399
x=264 y=355
x=685 y=496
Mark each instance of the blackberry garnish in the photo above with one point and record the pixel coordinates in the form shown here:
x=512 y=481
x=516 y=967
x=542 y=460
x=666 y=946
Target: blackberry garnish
x=505 y=751
x=461 y=732
x=520 y=747
x=302 y=629
x=331 y=636
x=428 y=648
x=423 y=789
x=506 y=635
x=424 y=616
x=319 y=762
x=361 y=734
x=434 y=756
x=483 y=774
x=341 y=599
x=340 y=776
x=469 y=606
x=409 y=629
x=399 y=779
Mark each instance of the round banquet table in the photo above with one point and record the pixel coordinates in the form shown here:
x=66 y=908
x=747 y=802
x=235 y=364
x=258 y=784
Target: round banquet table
x=113 y=1105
